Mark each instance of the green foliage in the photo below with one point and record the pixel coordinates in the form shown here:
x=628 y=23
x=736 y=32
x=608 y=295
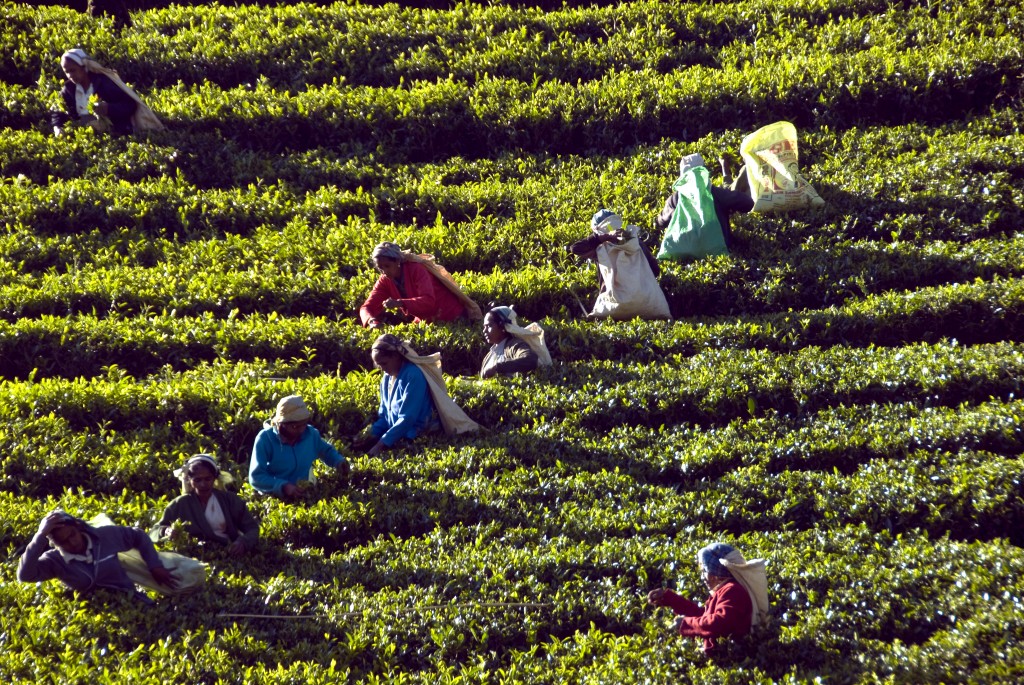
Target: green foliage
x=841 y=395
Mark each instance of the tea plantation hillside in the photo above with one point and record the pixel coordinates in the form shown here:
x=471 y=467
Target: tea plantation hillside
x=843 y=395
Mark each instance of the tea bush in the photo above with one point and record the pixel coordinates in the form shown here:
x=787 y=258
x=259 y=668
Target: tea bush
x=841 y=395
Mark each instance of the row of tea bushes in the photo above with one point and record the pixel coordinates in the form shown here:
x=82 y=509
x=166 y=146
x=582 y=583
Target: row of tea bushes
x=237 y=277
x=372 y=614
x=296 y=46
x=907 y=169
x=433 y=120
x=83 y=344
x=710 y=388
x=221 y=408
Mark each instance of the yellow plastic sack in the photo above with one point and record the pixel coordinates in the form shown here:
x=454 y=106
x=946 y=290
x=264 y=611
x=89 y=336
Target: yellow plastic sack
x=773 y=170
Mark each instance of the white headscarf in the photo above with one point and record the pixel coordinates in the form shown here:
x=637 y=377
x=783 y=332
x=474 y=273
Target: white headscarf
x=752 y=576
x=78 y=56
x=532 y=335
x=690 y=162
x=220 y=480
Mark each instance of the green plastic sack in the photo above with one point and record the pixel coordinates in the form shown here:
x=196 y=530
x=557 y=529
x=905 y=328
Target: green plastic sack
x=694 y=232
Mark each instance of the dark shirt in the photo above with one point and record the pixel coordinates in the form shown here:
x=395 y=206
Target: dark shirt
x=39 y=562
x=120 y=105
x=726 y=202
x=188 y=509
x=515 y=355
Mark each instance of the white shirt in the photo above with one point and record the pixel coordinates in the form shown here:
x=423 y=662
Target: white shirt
x=215 y=517
x=82 y=96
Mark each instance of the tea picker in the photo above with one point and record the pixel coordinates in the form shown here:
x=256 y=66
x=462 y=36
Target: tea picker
x=738 y=601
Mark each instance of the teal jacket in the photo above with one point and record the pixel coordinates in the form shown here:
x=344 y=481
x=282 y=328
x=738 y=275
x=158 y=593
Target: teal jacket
x=275 y=464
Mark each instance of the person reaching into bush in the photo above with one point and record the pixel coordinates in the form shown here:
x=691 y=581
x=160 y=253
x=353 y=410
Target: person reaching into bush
x=207 y=510
x=514 y=349
x=85 y=558
x=413 y=289
x=693 y=185
x=95 y=96
x=626 y=271
x=284 y=451
x=738 y=601
x=413 y=397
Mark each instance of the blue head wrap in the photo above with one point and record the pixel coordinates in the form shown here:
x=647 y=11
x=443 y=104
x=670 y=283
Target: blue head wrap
x=709 y=557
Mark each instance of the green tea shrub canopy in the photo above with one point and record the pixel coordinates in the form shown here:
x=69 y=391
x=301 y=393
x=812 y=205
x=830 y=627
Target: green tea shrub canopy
x=840 y=396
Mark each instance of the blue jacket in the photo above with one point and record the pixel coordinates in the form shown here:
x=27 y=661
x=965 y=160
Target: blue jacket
x=274 y=463
x=39 y=562
x=406 y=409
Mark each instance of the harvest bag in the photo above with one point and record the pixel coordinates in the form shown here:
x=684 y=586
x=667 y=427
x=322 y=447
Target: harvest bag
x=441 y=274
x=630 y=289
x=694 y=231
x=453 y=419
x=190 y=573
x=773 y=170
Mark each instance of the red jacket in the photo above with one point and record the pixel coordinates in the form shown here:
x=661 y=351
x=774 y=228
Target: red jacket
x=426 y=299
x=728 y=611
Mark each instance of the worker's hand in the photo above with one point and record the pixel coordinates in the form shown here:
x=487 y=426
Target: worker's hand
x=344 y=470
x=291 y=491
x=100 y=109
x=364 y=440
x=377 y=449
x=392 y=303
x=656 y=597
x=164 y=577
x=236 y=548
x=50 y=521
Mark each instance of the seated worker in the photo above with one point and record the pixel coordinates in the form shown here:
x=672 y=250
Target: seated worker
x=207 y=510
x=413 y=397
x=726 y=200
x=412 y=288
x=284 y=451
x=738 y=601
x=513 y=348
x=118 y=109
x=85 y=557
